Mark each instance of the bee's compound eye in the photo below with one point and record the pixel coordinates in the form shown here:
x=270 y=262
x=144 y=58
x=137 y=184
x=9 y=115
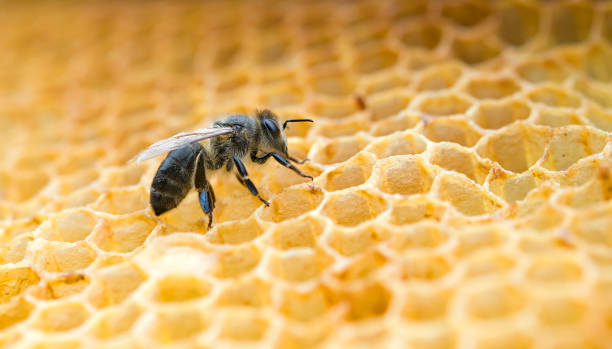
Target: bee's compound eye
x=271 y=127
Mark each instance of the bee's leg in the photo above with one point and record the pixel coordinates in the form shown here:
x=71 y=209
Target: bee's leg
x=244 y=179
x=281 y=160
x=299 y=162
x=260 y=160
x=205 y=191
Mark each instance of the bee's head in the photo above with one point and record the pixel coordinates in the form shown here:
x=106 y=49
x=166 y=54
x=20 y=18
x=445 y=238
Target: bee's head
x=273 y=137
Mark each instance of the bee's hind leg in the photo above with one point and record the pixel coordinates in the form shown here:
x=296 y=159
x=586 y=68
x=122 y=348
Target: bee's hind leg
x=208 y=204
x=205 y=190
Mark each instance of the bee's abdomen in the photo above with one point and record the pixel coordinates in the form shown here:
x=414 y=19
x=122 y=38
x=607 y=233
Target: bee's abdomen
x=174 y=178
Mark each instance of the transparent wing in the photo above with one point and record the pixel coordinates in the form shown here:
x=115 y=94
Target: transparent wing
x=179 y=140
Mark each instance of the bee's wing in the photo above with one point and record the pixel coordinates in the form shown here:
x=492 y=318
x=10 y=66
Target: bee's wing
x=179 y=140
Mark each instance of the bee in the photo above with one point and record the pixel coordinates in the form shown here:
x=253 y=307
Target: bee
x=232 y=140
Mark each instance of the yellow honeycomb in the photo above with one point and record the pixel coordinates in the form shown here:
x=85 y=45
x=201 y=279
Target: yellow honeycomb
x=462 y=154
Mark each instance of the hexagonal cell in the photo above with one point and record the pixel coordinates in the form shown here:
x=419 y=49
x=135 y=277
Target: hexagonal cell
x=62 y=257
x=554 y=97
x=489 y=264
x=599 y=118
x=122 y=201
x=570 y=144
x=554 y=269
x=250 y=292
x=338 y=150
x=293 y=202
x=439 y=77
x=122 y=234
x=306 y=305
x=422 y=35
x=571 y=23
x=237 y=261
x=300 y=233
x=176 y=324
x=241 y=325
x=60 y=317
x=387 y=104
x=362 y=267
x=561 y=311
x=115 y=321
x=455 y=158
x=517 y=148
x=235 y=232
x=416 y=208
x=16 y=249
x=425 y=306
x=374 y=60
x=334 y=84
x=14 y=311
x=380 y=83
x=475 y=50
x=63 y=286
x=596 y=92
x=404 y=143
x=495 y=301
x=538 y=70
x=81 y=197
x=403 y=174
x=180 y=288
x=367 y=301
x=467 y=13
x=554 y=117
x=595 y=192
x=299 y=265
x=489 y=88
x=70 y=225
x=114 y=284
x=351 y=173
x=350 y=208
x=518 y=22
x=467 y=197
x=15 y=280
x=425 y=268
x=333 y=108
x=451 y=130
x=444 y=105
x=512 y=187
x=352 y=242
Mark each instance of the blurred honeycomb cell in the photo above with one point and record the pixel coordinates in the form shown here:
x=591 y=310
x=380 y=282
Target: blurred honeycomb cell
x=460 y=154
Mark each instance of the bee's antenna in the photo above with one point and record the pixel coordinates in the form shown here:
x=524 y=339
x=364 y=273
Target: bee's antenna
x=295 y=120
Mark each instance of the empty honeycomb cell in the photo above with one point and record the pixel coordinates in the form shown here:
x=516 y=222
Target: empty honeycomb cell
x=403 y=143
x=351 y=173
x=595 y=192
x=488 y=264
x=351 y=208
x=235 y=232
x=243 y=326
x=561 y=311
x=425 y=268
x=486 y=88
x=176 y=324
x=370 y=61
x=112 y=285
x=598 y=93
x=518 y=22
x=516 y=149
x=351 y=242
x=306 y=305
x=338 y=150
x=15 y=280
x=597 y=63
x=81 y=197
x=425 y=306
x=444 y=105
x=252 y=292
x=570 y=144
x=300 y=233
x=467 y=13
x=475 y=50
x=455 y=158
x=235 y=262
x=299 y=265
x=333 y=108
x=370 y=300
x=600 y=118
x=554 y=97
x=64 y=286
x=180 y=288
x=512 y=187
x=542 y=70
x=571 y=23
x=363 y=266
x=62 y=257
x=416 y=208
x=337 y=84
x=439 y=77
x=467 y=197
x=495 y=301
x=403 y=174
x=122 y=201
x=293 y=202
x=16 y=249
x=61 y=317
x=115 y=321
x=423 y=35
x=14 y=311
x=557 y=117
x=379 y=83
x=387 y=104
x=554 y=270
x=479 y=239
x=547 y=217
x=122 y=234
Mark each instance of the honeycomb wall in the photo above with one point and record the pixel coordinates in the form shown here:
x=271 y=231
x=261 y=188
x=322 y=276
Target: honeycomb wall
x=461 y=154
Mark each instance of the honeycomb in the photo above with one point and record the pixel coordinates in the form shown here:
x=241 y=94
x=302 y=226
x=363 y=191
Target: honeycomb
x=461 y=153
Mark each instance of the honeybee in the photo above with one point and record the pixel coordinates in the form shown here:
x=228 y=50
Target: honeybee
x=232 y=139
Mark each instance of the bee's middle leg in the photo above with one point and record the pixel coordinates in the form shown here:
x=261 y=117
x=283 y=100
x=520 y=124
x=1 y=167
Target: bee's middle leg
x=243 y=177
